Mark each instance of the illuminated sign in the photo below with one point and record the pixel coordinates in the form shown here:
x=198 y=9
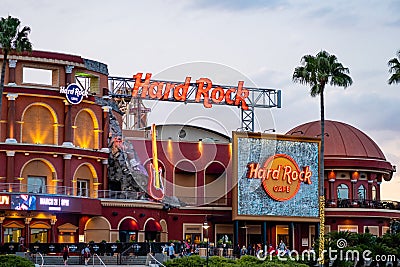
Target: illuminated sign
x=23 y=202
x=4 y=200
x=54 y=203
x=235 y=96
x=281 y=176
x=74 y=93
x=275 y=177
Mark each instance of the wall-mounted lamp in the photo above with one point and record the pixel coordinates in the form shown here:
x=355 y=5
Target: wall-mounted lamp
x=141 y=215
x=272 y=130
x=26 y=153
x=326 y=134
x=299 y=132
x=79 y=157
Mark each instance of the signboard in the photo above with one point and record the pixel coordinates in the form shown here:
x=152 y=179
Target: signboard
x=4 y=201
x=276 y=177
x=235 y=96
x=23 y=202
x=74 y=93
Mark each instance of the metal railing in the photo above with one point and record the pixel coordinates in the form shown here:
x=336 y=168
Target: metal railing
x=363 y=203
x=154 y=259
x=100 y=260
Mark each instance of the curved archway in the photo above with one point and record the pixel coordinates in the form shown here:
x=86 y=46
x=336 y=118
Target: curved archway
x=361 y=193
x=85 y=181
x=185 y=181
x=215 y=183
x=39 y=125
x=128 y=229
x=152 y=230
x=97 y=229
x=38 y=176
x=86 y=129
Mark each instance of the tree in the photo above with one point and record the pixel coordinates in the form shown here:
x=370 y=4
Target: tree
x=394 y=69
x=318 y=71
x=11 y=39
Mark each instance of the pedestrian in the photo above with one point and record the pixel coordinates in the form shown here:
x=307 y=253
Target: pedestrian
x=86 y=254
x=65 y=255
x=171 y=251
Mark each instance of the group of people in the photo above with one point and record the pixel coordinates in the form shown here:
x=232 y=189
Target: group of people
x=85 y=253
x=254 y=249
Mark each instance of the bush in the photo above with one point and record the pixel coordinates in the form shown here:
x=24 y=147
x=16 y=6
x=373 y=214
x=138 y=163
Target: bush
x=13 y=261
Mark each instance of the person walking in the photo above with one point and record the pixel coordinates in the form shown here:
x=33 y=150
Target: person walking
x=171 y=251
x=86 y=254
x=65 y=255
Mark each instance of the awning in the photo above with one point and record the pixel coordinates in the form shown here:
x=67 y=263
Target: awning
x=129 y=225
x=153 y=226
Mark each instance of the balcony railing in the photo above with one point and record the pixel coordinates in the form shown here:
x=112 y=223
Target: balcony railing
x=18 y=188
x=362 y=203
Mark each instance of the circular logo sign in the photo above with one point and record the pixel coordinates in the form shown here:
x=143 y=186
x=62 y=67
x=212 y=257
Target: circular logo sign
x=281 y=176
x=74 y=93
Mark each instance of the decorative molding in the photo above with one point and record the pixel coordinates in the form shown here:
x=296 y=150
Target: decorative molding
x=69 y=68
x=67 y=156
x=11 y=96
x=10 y=153
x=12 y=63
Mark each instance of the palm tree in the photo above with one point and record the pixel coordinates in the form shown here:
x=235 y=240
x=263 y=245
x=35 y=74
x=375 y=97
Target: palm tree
x=394 y=65
x=11 y=39
x=318 y=71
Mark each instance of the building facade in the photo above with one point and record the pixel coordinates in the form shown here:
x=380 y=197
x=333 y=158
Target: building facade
x=63 y=174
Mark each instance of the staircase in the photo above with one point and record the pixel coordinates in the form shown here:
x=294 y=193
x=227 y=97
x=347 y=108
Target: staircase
x=108 y=260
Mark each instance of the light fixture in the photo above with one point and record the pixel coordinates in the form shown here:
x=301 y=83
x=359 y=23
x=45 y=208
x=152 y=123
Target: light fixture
x=79 y=157
x=26 y=153
x=55 y=155
x=272 y=130
x=299 y=131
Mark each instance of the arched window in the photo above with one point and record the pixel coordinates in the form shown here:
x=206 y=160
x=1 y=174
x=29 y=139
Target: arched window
x=38 y=126
x=362 y=192
x=342 y=191
x=86 y=132
x=373 y=192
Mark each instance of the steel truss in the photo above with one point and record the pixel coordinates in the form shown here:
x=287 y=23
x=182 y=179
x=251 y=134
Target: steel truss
x=121 y=92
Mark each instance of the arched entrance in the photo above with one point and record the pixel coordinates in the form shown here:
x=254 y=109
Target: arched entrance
x=97 y=229
x=152 y=230
x=128 y=230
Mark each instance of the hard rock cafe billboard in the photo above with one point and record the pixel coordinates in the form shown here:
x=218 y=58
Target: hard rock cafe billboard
x=276 y=177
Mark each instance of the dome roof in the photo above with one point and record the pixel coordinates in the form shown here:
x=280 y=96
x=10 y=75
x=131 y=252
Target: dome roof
x=345 y=146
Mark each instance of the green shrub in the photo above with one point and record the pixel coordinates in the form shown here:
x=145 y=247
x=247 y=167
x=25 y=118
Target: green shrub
x=14 y=261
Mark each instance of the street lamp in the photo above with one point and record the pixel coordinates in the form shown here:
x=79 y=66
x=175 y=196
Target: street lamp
x=206 y=226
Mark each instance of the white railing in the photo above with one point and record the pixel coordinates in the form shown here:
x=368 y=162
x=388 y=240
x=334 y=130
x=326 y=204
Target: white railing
x=153 y=258
x=101 y=261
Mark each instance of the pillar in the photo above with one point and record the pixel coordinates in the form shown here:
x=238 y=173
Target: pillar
x=2 y=218
x=264 y=234
x=10 y=167
x=235 y=232
x=67 y=125
x=67 y=172
x=11 y=122
x=291 y=235
x=12 y=63
x=28 y=231
x=53 y=221
x=105 y=174
x=106 y=123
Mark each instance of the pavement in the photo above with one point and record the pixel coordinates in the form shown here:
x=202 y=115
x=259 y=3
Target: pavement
x=90 y=265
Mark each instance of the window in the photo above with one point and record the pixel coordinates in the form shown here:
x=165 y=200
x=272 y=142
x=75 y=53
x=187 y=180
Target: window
x=373 y=192
x=361 y=192
x=37 y=76
x=39 y=235
x=342 y=191
x=12 y=235
x=36 y=184
x=82 y=188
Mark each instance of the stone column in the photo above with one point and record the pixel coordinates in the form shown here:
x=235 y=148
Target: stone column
x=12 y=63
x=27 y=234
x=53 y=221
x=67 y=173
x=11 y=123
x=68 y=137
x=105 y=126
x=105 y=174
x=10 y=167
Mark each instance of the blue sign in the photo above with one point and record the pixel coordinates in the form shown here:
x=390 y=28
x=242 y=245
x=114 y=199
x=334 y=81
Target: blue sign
x=74 y=93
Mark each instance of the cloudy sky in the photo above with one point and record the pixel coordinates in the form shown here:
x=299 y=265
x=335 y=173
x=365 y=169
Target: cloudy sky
x=258 y=41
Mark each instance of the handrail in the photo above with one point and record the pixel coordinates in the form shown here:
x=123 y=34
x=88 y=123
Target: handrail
x=122 y=254
x=159 y=263
x=40 y=254
x=101 y=261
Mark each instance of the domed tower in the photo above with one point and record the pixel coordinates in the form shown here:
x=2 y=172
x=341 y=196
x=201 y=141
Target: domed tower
x=355 y=167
